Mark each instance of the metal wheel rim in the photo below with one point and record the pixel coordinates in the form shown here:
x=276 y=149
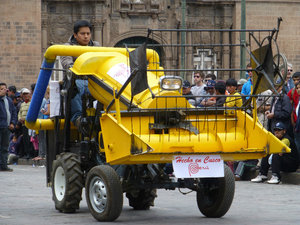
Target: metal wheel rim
x=59 y=183
x=280 y=58
x=98 y=194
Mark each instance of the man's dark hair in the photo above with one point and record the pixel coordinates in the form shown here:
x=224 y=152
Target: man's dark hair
x=12 y=88
x=3 y=84
x=220 y=87
x=296 y=74
x=81 y=23
x=211 y=75
x=231 y=82
x=32 y=86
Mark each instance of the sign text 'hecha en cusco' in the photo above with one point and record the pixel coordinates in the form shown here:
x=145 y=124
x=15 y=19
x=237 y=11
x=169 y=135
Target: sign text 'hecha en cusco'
x=193 y=166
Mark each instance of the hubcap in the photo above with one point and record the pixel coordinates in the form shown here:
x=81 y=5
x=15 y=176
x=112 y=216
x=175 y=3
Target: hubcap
x=98 y=195
x=59 y=183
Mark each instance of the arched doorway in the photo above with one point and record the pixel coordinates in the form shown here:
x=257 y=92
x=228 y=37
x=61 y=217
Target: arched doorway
x=136 y=41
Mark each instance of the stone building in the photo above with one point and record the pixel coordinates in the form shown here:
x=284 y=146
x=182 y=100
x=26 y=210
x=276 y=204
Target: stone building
x=28 y=27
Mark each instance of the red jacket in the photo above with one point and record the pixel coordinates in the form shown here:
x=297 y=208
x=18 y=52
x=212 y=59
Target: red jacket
x=295 y=100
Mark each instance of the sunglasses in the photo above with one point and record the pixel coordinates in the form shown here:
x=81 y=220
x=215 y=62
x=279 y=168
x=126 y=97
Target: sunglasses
x=196 y=76
x=290 y=70
x=206 y=80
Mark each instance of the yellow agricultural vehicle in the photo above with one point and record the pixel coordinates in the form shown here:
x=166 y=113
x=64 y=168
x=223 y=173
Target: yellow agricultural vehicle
x=127 y=142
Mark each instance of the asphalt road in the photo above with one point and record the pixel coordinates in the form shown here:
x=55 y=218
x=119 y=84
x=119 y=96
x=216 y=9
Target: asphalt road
x=25 y=199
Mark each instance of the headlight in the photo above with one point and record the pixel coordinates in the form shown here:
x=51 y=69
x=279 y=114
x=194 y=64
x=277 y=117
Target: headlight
x=170 y=82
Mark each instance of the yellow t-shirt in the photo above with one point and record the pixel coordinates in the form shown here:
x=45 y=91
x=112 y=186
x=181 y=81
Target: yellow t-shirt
x=233 y=100
x=285 y=141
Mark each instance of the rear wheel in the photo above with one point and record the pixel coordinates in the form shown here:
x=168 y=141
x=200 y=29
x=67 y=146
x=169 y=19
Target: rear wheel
x=141 y=199
x=216 y=195
x=67 y=182
x=104 y=193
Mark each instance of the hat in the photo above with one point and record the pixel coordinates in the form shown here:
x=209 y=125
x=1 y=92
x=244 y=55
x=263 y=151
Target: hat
x=241 y=81
x=186 y=84
x=279 y=126
x=25 y=91
x=210 y=84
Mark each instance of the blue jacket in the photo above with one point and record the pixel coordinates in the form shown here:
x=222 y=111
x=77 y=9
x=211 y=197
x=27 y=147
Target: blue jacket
x=3 y=115
x=246 y=90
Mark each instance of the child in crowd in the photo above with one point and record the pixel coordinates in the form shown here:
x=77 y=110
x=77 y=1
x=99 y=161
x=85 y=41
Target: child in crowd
x=234 y=99
x=286 y=162
x=12 y=151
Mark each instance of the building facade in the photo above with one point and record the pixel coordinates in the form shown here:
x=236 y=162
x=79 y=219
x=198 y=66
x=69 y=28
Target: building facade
x=29 y=27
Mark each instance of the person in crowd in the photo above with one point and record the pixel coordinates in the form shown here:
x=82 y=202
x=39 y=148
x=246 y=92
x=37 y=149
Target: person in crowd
x=289 y=83
x=11 y=91
x=198 y=89
x=297 y=123
x=16 y=99
x=286 y=162
x=210 y=100
x=42 y=137
x=240 y=84
x=186 y=90
x=294 y=99
x=8 y=119
x=12 y=150
x=209 y=76
x=27 y=145
x=247 y=87
x=220 y=88
x=280 y=111
x=20 y=101
x=82 y=33
x=234 y=99
x=241 y=168
x=263 y=104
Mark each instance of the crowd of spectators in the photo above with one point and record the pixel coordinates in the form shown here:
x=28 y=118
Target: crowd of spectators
x=278 y=114
x=22 y=142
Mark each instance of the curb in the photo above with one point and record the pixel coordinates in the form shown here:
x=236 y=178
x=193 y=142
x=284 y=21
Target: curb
x=31 y=162
x=286 y=178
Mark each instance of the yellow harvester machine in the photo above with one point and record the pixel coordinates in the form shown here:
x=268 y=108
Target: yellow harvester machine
x=127 y=141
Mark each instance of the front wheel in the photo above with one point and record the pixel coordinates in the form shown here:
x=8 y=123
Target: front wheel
x=104 y=193
x=216 y=194
x=67 y=182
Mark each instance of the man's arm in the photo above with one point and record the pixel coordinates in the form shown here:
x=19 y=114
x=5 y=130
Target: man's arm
x=14 y=117
x=66 y=62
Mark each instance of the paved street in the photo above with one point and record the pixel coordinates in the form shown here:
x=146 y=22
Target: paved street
x=25 y=199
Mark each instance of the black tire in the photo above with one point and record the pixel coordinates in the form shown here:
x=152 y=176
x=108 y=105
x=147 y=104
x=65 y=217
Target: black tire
x=215 y=198
x=67 y=182
x=104 y=193
x=141 y=199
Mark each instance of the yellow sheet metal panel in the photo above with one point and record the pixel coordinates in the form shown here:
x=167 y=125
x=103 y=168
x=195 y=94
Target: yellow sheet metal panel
x=44 y=124
x=111 y=69
x=231 y=141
